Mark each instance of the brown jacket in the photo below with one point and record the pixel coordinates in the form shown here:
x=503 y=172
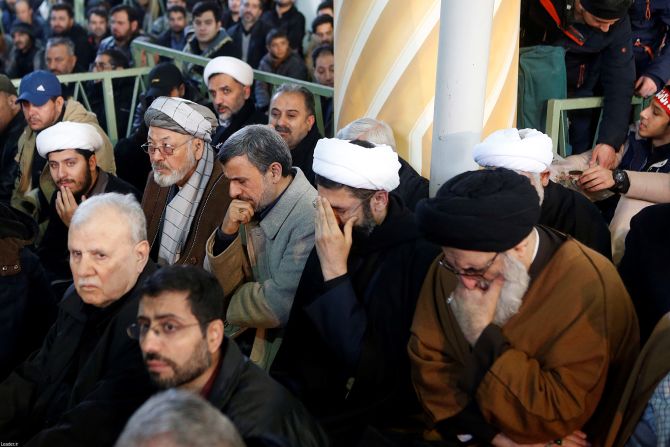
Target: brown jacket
x=651 y=367
x=573 y=341
x=209 y=215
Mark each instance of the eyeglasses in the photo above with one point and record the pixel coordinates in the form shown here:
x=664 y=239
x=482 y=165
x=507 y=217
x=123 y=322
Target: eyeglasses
x=469 y=272
x=167 y=329
x=166 y=149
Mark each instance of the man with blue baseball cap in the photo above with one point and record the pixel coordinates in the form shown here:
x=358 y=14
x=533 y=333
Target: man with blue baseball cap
x=43 y=105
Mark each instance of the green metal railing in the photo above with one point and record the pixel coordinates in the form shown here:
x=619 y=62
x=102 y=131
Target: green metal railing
x=557 y=123
x=142 y=52
x=106 y=78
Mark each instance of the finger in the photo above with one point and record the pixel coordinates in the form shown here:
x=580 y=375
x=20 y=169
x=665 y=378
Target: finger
x=639 y=82
x=69 y=201
x=330 y=218
x=83 y=198
x=348 y=228
x=321 y=217
x=59 y=203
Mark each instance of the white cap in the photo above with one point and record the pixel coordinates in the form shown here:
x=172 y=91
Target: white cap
x=233 y=67
x=527 y=150
x=68 y=135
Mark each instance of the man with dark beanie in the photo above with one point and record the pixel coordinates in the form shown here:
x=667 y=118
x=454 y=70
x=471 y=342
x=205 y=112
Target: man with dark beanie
x=521 y=334
x=596 y=35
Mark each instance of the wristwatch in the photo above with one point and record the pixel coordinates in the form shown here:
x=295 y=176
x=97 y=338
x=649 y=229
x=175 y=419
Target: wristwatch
x=621 y=181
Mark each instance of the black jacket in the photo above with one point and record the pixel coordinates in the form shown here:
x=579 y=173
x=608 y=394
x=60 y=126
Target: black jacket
x=412 y=187
x=85 y=381
x=259 y=407
x=344 y=352
x=293 y=22
x=597 y=63
x=27 y=306
x=9 y=144
x=257 y=48
x=246 y=116
x=645 y=269
x=123 y=97
x=303 y=154
x=571 y=213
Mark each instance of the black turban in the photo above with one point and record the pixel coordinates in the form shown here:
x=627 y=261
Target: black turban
x=487 y=210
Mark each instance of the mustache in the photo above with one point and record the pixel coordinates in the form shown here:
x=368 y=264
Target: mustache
x=153 y=356
x=87 y=282
x=159 y=165
x=283 y=129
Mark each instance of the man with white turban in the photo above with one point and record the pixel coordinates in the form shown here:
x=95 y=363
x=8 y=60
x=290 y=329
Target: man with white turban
x=183 y=180
x=529 y=152
x=344 y=350
x=70 y=149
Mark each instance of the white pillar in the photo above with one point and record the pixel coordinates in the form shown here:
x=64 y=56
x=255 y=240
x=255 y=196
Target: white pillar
x=462 y=67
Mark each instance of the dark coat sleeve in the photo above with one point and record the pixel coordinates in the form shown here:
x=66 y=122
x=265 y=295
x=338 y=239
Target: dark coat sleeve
x=617 y=75
x=659 y=68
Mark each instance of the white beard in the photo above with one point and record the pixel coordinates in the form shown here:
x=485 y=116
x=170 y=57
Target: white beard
x=164 y=180
x=513 y=290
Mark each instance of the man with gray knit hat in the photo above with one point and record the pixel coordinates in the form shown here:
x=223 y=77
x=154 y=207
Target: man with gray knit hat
x=366 y=269
x=529 y=152
x=184 y=178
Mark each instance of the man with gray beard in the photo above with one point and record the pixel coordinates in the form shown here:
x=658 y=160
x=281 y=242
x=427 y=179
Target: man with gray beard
x=521 y=335
x=184 y=178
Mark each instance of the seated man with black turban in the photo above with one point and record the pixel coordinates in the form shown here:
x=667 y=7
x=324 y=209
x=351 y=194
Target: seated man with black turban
x=521 y=334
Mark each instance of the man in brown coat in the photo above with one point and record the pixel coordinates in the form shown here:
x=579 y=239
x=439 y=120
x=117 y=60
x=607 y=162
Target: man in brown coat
x=186 y=193
x=521 y=334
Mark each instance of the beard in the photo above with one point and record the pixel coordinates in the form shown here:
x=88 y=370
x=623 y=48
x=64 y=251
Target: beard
x=513 y=290
x=193 y=368
x=83 y=186
x=165 y=180
x=367 y=225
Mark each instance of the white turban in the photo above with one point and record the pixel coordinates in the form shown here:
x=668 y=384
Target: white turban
x=356 y=166
x=527 y=150
x=68 y=135
x=233 y=67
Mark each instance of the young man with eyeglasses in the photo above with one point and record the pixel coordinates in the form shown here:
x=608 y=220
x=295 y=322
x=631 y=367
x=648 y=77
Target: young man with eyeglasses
x=186 y=192
x=522 y=335
x=344 y=352
x=180 y=331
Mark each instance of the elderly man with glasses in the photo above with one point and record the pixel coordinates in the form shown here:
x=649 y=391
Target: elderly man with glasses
x=522 y=335
x=186 y=192
x=180 y=332
x=344 y=352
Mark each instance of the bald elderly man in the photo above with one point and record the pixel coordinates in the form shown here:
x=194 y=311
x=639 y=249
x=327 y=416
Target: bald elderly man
x=521 y=334
x=529 y=152
x=186 y=192
x=70 y=149
x=366 y=270
x=229 y=82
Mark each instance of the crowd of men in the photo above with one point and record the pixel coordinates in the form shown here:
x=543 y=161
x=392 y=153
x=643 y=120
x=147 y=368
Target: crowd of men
x=227 y=275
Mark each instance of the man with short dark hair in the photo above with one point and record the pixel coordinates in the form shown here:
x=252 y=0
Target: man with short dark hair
x=125 y=25
x=260 y=248
x=98 y=27
x=161 y=24
x=43 y=105
x=286 y=16
x=70 y=150
x=181 y=334
x=175 y=36
x=292 y=115
x=323 y=61
x=88 y=377
x=208 y=38
x=229 y=82
x=325 y=7
x=61 y=22
x=511 y=308
x=322 y=29
x=344 y=352
x=249 y=33
x=186 y=193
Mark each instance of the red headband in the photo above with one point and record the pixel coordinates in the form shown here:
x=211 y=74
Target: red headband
x=663 y=99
